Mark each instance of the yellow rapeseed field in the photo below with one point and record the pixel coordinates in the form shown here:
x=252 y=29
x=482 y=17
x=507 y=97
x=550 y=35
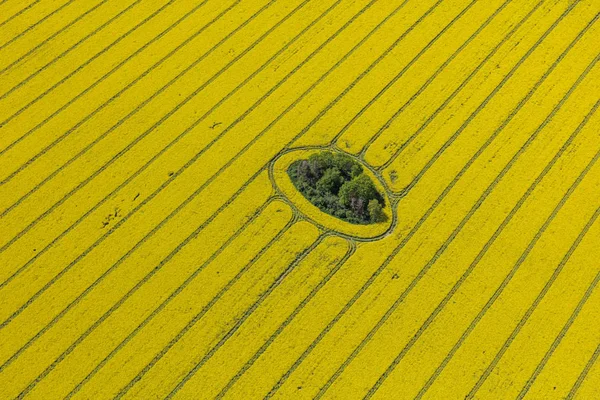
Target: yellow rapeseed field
x=152 y=245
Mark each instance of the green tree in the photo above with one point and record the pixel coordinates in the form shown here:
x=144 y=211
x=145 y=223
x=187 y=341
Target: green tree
x=331 y=181
x=376 y=213
x=319 y=163
x=303 y=175
x=356 y=170
x=361 y=188
x=344 y=163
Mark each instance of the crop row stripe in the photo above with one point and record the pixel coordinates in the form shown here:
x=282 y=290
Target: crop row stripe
x=385 y=54
x=590 y=364
x=199 y=316
x=30 y=27
x=330 y=255
x=496 y=234
x=164 y=261
x=64 y=53
x=21 y=11
x=114 y=97
x=96 y=82
x=532 y=308
x=89 y=146
x=288 y=320
x=456 y=231
x=245 y=316
x=509 y=276
x=49 y=38
x=440 y=70
x=409 y=65
x=176 y=292
x=451 y=140
x=455 y=93
x=174 y=176
x=545 y=290
x=155 y=157
x=560 y=336
x=200 y=189
x=393 y=253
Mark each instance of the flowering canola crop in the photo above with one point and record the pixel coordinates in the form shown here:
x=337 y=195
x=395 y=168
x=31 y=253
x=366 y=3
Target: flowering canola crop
x=150 y=249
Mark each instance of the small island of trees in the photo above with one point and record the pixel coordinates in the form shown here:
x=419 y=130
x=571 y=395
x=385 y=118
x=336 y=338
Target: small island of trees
x=337 y=185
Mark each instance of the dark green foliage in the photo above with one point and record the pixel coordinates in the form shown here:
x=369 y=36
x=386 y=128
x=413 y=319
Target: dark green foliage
x=375 y=211
x=331 y=181
x=336 y=184
x=360 y=188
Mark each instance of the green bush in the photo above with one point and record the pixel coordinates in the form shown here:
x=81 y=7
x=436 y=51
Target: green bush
x=336 y=184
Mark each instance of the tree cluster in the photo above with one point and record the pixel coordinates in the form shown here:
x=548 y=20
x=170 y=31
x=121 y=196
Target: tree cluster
x=337 y=185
